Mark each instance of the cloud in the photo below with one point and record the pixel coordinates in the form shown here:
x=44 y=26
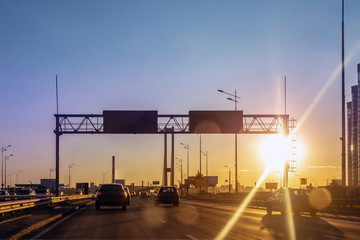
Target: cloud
x=245 y=170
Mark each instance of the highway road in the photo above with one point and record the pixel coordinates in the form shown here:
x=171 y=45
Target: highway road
x=194 y=220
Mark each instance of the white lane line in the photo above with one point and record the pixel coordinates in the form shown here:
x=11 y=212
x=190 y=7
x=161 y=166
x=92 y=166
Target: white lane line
x=43 y=232
x=13 y=219
x=162 y=220
x=191 y=237
x=328 y=236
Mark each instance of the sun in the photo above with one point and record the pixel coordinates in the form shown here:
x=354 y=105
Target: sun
x=274 y=151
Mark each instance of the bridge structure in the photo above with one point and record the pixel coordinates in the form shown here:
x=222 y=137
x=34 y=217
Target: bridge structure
x=195 y=122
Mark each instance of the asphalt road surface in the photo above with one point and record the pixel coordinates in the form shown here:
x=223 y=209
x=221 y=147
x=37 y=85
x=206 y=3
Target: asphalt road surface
x=195 y=220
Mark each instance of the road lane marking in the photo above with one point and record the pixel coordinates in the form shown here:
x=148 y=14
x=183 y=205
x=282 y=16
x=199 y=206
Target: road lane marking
x=40 y=234
x=13 y=219
x=162 y=220
x=328 y=236
x=191 y=237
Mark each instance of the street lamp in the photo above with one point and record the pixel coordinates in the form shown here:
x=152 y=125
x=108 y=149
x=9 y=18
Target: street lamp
x=3 y=149
x=229 y=178
x=235 y=100
x=70 y=166
x=187 y=147
x=17 y=175
x=10 y=177
x=6 y=158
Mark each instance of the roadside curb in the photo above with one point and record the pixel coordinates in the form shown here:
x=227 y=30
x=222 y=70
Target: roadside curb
x=43 y=223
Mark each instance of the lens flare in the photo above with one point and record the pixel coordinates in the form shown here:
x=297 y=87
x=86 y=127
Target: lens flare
x=242 y=207
x=320 y=198
x=274 y=151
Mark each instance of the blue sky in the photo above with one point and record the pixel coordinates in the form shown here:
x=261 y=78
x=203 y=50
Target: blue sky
x=169 y=56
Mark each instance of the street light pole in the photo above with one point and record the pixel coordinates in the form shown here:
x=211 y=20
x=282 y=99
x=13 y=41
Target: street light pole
x=229 y=178
x=235 y=100
x=70 y=166
x=200 y=155
x=17 y=175
x=6 y=158
x=187 y=147
x=10 y=178
x=3 y=149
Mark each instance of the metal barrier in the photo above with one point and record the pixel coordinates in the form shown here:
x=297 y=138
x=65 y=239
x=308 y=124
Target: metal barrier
x=12 y=206
x=260 y=200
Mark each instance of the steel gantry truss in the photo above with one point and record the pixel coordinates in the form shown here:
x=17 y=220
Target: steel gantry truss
x=94 y=123
x=166 y=124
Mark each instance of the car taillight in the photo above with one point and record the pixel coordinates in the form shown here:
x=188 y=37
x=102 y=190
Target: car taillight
x=158 y=194
x=178 y=195
x=98 y=193
x=124 y=194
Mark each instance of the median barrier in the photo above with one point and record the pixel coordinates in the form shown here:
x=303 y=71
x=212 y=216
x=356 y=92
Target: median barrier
x=13 y=206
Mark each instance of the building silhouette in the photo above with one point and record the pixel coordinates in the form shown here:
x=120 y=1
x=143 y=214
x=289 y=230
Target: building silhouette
x=353 y=129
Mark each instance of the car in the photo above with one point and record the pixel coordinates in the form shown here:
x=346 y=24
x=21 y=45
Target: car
x=299 y=201
x=42 y=191
x=128 y=195
x=26 y=191
x=112 y=194
x=167 y=195
x=144 y=194
x=4 y=193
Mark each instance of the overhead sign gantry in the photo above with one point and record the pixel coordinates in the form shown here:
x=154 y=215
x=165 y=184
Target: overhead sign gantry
x=150 y=122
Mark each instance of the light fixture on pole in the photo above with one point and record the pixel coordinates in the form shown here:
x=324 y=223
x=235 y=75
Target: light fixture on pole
x=70 y=166
x=17 y=175
x=10 y=177
x=3 y=149
x=6 y=158
x=235 y=100
x=187 y=147
x=229 y=178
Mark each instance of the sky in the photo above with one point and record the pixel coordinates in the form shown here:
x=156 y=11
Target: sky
x=172 y=57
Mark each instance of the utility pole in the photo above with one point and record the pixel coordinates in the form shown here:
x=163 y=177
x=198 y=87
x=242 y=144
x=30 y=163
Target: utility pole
x=234 y=98
x=187 y=147
x=343 y=163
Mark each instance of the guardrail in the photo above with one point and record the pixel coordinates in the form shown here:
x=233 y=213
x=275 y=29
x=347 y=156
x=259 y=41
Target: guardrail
x=13 y=206
x=346 y=202
x=259 y=200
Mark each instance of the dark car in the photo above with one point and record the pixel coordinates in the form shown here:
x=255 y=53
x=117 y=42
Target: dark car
x=128 y=195
x=42 y=191
x=299 y=201
x=144 y=194
x=167 y=195
x=4 y=193
x=26 y=191
x=111 y=195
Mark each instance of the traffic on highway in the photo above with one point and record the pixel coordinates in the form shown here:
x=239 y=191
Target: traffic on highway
x=174 y=218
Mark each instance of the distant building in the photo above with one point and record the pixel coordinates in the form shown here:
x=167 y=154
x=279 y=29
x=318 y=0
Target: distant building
x=353 y=130
x=48 y=183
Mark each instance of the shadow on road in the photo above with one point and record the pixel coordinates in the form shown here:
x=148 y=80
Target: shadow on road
x=305 y=227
